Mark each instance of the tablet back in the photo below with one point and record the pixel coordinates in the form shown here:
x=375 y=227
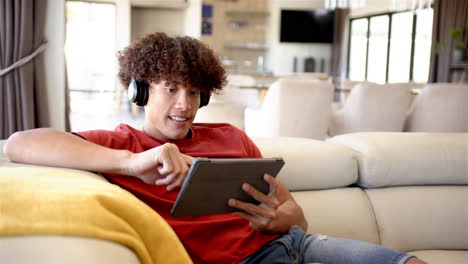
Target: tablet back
x=210 y=183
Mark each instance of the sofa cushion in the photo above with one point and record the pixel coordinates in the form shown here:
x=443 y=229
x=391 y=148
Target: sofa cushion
x=440 y=107
x=441 y=256
x=395 y=159
x=422 y=217
x=310 y=164
x=293 y=107
x=373 y=107
x=343 y=212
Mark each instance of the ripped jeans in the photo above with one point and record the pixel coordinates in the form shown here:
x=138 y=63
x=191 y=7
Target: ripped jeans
x=298 y=247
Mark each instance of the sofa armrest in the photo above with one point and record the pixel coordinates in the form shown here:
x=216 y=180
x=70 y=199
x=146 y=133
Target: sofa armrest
x=60 y=202
x=53 y=249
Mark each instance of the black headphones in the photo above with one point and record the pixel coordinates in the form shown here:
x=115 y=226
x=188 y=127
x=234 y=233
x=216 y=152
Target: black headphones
x=138 y=93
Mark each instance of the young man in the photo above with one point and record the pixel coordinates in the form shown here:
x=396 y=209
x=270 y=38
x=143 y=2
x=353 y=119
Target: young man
x=172 y=78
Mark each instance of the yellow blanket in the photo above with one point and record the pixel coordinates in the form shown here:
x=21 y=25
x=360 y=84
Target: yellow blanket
x=52 y=201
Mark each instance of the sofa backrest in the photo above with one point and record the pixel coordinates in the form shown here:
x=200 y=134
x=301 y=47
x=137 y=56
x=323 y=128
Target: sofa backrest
x=440 y=107
x=399 y=159
x=310 y=164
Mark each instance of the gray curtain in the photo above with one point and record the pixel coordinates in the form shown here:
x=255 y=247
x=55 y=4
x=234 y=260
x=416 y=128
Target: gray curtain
x=340 y=45
x=448 y=14
x=23 y=103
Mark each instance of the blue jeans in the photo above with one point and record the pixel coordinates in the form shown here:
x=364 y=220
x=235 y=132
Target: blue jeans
x=299 y=247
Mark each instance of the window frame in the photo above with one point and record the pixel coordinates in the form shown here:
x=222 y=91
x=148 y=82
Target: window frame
x=390 y=17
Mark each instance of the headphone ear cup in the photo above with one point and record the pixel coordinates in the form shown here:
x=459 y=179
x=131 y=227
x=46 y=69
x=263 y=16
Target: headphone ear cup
x=138 y=92
x=132 y=91
x=143 y=92
x=204 y=99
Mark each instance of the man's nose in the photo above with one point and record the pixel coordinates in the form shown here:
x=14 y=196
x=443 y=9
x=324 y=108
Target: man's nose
x=183 y=101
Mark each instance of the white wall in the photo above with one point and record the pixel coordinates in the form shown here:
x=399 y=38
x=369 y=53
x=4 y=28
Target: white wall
x=122 y=24
x=193 y=18
x=177 y=20
x=380 y=6
x=280 y=55
x=149 y=20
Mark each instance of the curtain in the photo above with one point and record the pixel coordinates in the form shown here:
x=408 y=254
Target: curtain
x=448 y=14
x=340 y=45
x=23 y=103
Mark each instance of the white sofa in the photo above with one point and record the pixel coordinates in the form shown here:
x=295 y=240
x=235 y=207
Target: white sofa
x=407 y=191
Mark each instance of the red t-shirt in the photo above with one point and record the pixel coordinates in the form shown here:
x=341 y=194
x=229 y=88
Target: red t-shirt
x=216 y=238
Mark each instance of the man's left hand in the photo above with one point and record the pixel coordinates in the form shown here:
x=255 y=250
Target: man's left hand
x=277 y=211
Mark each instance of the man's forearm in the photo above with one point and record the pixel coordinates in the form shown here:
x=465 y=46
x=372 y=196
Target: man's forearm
x=50 y=147
x=291 y=207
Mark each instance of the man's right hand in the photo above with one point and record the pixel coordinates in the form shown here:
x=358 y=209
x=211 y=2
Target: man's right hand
x=163 y=165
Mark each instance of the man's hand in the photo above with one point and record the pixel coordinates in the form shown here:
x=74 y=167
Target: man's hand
x=163 y=165
x=278 y=211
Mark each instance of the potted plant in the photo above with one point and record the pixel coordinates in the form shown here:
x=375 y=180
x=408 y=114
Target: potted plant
x=459 y=48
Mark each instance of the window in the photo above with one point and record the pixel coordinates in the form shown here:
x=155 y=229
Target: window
x=91 y=64
x=90 y=47
x=378 y=43
x=422 y=45
x=358 y=49
x=391 y=47
x=400 y=47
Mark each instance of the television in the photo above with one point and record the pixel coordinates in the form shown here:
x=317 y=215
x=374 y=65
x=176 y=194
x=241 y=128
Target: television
x=307 y=26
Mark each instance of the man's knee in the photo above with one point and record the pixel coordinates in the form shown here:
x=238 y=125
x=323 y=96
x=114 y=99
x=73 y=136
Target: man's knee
x=410 y=261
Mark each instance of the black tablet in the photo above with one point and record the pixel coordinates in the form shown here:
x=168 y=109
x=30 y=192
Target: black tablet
x=210 y=183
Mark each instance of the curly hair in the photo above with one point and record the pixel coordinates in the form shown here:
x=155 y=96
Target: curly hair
x=177 y=60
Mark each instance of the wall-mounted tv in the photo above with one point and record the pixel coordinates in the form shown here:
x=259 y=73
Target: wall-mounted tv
x=307 y=26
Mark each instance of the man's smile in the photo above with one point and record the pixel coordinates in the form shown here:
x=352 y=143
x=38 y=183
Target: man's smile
x=178 y=118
